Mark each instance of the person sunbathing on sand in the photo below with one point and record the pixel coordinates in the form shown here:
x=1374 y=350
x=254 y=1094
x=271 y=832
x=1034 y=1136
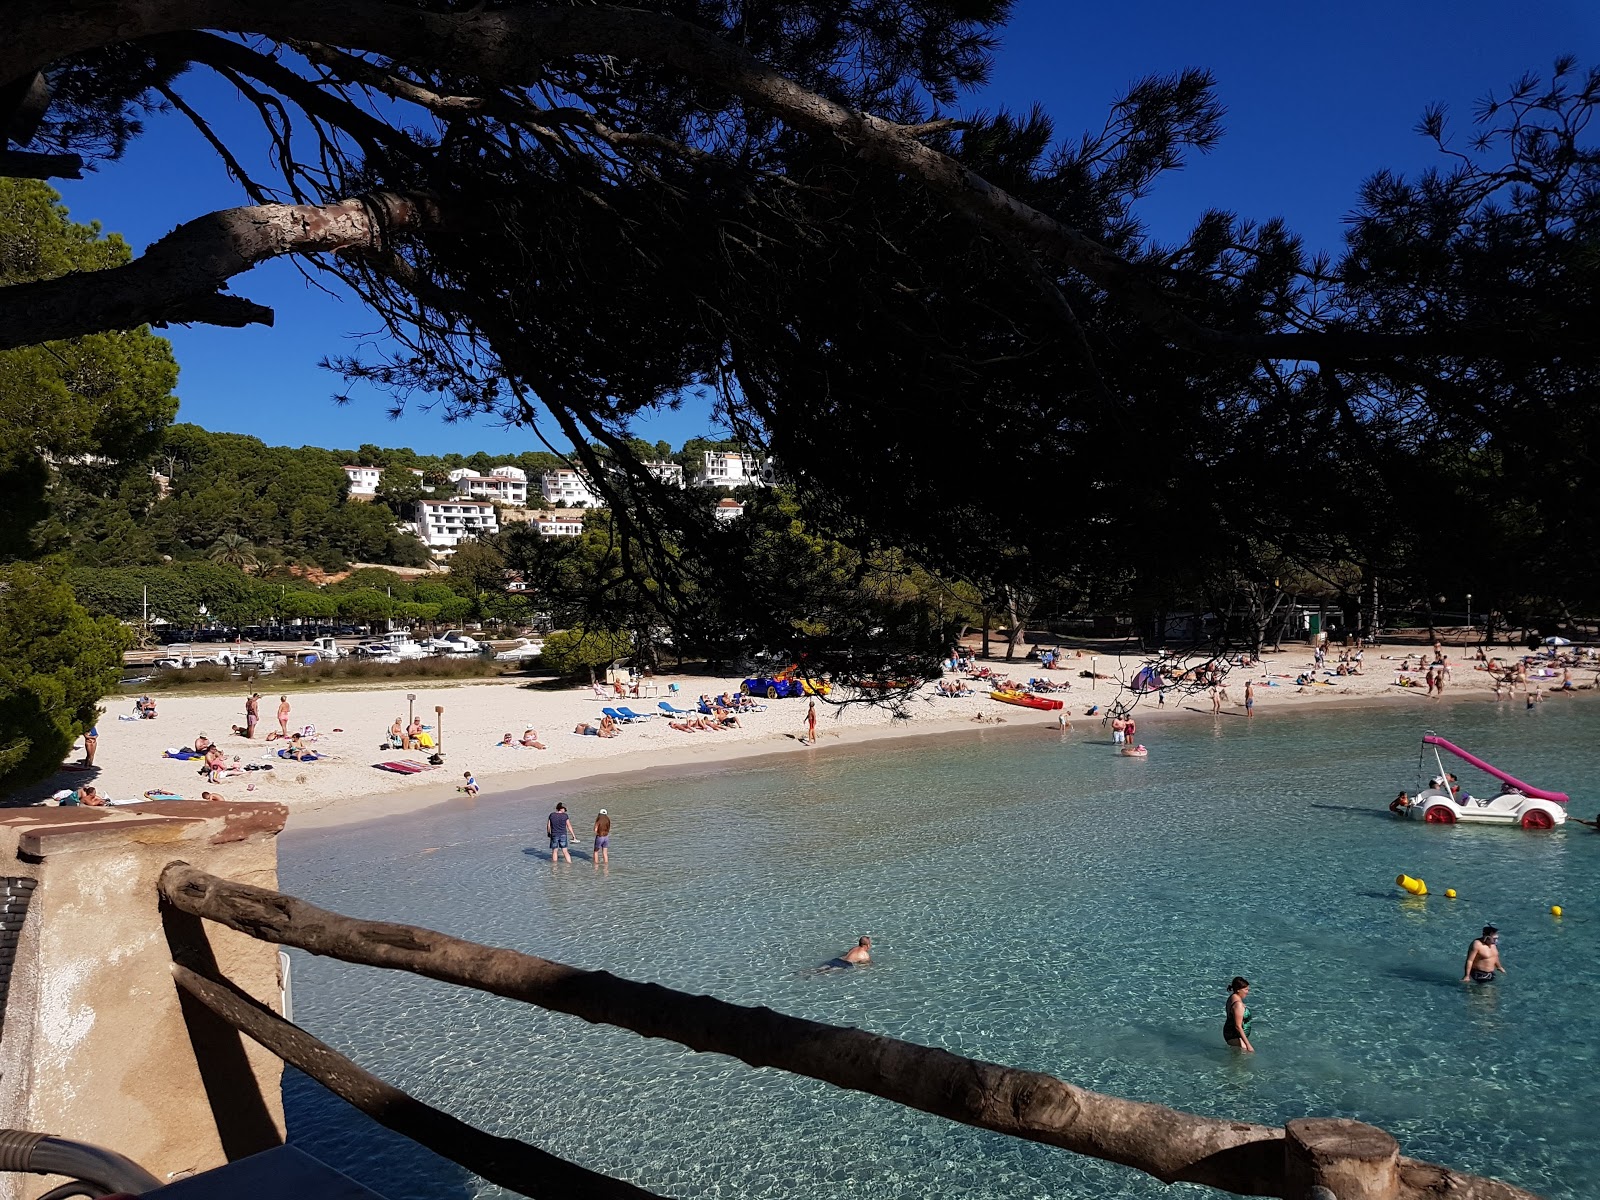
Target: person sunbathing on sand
x=508 y=740
x=608 y=727
x=530 y=738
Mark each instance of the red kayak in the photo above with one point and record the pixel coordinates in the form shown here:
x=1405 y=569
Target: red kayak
x=1027 y=700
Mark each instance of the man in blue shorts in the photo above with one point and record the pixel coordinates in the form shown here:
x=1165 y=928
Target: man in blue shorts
x=559 y=826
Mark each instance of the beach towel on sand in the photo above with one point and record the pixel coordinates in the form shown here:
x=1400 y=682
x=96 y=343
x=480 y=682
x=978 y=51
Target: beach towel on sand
x=403 y=767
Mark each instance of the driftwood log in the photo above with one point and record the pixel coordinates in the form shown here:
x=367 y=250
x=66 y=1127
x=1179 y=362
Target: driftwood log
x=504 y=1161
x=1172 y=1146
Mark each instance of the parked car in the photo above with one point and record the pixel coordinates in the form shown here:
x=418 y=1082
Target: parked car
x=782 y=687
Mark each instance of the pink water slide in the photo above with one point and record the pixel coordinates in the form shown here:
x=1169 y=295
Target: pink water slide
x=1526 y=789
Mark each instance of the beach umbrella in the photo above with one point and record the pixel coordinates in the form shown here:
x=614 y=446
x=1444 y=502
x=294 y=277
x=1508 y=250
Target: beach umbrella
x=1556 y=641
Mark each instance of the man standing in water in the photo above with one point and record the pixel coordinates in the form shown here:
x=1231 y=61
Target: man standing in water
x=1249 y=699
x=602 y=839
x=1483 y=957
x=558 y=825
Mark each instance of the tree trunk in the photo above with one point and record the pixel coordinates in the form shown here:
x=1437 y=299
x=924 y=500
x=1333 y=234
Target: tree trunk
x=985 y=633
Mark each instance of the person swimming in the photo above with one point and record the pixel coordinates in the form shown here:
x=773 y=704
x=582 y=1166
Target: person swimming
x=858 y=955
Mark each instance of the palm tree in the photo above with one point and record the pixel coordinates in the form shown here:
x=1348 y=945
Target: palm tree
x=234 y=551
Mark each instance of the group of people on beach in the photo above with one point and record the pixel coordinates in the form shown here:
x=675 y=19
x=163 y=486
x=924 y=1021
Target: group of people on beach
x=558 y=827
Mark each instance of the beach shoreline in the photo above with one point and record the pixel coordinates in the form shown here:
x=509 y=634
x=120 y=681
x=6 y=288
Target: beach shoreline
x=344 y=788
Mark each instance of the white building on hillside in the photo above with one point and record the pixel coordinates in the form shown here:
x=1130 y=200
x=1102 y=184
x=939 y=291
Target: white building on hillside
x=364 y=480
x=441 y=524
x=560 y=522
x=503 y=485
x=669 y=473
x=727 y=510
x=566 y=488
x=728 y=468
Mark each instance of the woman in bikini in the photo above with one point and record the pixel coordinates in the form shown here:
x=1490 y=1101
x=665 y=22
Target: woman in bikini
x=1236 y=1026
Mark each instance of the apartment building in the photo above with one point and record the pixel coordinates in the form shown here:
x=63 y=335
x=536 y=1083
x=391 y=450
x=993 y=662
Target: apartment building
x=727 y=510
x=442 y=524
x=728 y=468
x=364 y=480
x=566 y=488
x=502 y=485
x=667 y=472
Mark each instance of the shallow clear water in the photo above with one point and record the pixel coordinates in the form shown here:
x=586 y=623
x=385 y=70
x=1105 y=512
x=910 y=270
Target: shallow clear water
x=1033 y=901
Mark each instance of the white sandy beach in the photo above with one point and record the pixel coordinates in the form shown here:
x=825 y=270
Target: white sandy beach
x=346 y=786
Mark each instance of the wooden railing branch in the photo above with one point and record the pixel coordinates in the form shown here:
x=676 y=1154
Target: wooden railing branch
x=1170 y=1145
x=505 y=1161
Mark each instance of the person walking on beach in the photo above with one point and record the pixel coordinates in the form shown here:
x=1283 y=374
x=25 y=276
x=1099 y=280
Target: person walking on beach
x=811 y=721
x=558 y=825
x=283 y=716
x=91 y=742
x=602 y=839
x=252 y=714
x=1249 y=703
x=1236 y=1025
x=1483 y=957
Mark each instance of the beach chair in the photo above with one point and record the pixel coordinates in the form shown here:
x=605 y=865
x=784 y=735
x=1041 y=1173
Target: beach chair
x=617 y=716
x=633 y=716
x=675 y=712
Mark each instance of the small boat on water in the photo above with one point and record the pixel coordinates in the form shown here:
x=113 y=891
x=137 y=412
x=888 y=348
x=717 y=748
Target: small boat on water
x=1444 y=802
x=1027 y=700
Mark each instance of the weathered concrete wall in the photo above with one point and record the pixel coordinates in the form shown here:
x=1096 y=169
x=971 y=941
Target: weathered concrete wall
x=96 y=1044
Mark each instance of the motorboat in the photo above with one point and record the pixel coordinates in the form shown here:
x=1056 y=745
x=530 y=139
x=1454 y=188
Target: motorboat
x=454 y=642
x=401 y=646
x=1027 y=700
x=1445 y=802
x=524 y=649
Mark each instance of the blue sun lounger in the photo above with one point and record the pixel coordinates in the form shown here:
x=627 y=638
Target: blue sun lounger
x=633 y=716
x=675 y=712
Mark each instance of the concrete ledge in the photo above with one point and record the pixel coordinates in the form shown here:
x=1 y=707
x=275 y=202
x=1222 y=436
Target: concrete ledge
x=98 y=1044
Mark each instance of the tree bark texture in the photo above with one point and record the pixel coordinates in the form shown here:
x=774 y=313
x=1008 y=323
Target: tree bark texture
x=1170 y=1145
x=178 y=277
x=504 y=1161
x=509 y=46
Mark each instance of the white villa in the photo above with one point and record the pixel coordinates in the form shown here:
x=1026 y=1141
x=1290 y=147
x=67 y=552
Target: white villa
x=364 y=480
x=727 y=510
x=441 y=524
x=503 y=485
x=566 y=488
x=669 y=473
x=560 y=522
x=728 y=468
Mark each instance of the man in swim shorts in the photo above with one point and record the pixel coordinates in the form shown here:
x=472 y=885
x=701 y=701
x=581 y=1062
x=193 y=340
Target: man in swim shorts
x=559 y=826
x=1483 y=957
x=858 y=953
x=602 y=838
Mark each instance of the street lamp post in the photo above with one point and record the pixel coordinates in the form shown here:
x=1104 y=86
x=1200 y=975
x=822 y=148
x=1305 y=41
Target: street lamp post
x=1469 y=610
x=411 y=707
x=438 y=737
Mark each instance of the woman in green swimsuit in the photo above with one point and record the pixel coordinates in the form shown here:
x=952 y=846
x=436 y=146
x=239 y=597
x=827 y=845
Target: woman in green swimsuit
x=1236 y=1027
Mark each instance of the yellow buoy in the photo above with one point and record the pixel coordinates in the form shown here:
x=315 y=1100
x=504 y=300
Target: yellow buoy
x=1555 y=910
x=1450 y=893
x=1415 y=886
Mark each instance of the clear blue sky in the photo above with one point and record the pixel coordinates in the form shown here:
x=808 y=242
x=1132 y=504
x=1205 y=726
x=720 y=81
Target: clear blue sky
x=1318 y=97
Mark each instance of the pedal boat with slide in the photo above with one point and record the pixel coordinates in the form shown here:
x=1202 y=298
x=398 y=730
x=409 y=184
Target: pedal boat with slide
x=1444 y=802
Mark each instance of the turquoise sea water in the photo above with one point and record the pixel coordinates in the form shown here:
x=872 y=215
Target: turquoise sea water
x=1033 y=900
